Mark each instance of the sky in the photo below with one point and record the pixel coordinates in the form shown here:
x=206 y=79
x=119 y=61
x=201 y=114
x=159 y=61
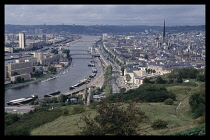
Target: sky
x=152 y=15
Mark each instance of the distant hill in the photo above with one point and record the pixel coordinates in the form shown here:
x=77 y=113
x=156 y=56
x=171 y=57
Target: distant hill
x=95 y=29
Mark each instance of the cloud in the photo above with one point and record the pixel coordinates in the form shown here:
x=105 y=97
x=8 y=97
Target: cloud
x=105 y=14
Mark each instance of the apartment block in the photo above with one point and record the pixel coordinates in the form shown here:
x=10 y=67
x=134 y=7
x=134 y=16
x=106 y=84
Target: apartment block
x=20 y=68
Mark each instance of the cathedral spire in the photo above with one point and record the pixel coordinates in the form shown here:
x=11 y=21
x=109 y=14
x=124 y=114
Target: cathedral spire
x=164 y=32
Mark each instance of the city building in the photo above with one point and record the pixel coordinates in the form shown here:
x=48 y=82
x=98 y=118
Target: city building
x=49 y=60
x=22 y=69
x=136 y=76
x=104 y=37
x=22 y=42
x=39 y=56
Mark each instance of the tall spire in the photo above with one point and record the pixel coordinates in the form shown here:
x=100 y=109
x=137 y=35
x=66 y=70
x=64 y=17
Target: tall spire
x=164 y=33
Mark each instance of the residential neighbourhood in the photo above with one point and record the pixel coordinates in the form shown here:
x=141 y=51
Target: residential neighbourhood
x=150 y=50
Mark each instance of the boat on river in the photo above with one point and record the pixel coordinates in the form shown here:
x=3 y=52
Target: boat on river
x=52 y=94
x=94 y=70
x=22 y=100
x=80 y=83
x=92 y=75
x=91 y=65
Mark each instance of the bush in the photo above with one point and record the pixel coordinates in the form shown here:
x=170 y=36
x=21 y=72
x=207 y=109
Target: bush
x=199 y=111
x=21 y=131
x=197 y=104
x=159 y=124
x=113 y=120
x=31 y=121
x=146 y=92
x=11 y=118
x=160 y=80
x=169 y=101
x=200 y=77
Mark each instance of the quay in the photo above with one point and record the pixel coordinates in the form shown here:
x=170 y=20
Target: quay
x=98 y=81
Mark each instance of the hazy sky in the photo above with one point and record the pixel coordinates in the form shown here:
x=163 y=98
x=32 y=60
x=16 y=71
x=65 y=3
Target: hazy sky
x=105 y=14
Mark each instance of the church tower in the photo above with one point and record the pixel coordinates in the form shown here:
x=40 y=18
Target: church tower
x=164 y=33
x=165 y=40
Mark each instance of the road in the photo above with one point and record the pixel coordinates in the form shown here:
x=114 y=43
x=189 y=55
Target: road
x=18 y=109
x=116 y=81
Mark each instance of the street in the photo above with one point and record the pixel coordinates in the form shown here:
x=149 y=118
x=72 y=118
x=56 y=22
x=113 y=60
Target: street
x=18 y=109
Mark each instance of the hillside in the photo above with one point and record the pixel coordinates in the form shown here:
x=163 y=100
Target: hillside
x=178 y=115
x=149 y=98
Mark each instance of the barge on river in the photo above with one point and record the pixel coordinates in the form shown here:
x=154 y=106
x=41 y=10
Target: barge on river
x=22 y=100
x=81 y=82
x=52 y=94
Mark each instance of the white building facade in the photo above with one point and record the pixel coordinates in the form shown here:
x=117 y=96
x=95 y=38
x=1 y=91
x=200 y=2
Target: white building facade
x=22 y=42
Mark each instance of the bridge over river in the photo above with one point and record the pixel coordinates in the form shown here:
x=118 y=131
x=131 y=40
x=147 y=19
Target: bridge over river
x=88 y=40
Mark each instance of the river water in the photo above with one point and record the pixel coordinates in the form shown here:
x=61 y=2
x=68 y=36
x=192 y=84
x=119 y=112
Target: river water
x=77 y=71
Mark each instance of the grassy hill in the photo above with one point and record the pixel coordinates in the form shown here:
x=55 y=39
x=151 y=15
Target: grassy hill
x=68 y=120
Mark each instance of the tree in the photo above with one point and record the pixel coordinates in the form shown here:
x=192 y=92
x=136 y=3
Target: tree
x=55 y=51
x=195 y=100
x=52 y=69
x=122 y=90
x=114 y=120
x=146 y=56
x=170 y=80
x=62 y=98
x=200 y=77
x=128 y=77
x=122 y=69
x=108 y=89
x=18 y=80
x=147 y=93
x=159 y=80
x=146 y=80
x=179 y=80
x=67 y=52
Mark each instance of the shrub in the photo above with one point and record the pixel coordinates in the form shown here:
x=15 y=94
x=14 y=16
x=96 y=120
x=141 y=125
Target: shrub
x=160 y=80
x=199 y=111
x=197 y=103
x=159 y=124
x=11 y=118
x=30 y=121
x=169 y=101
x=146 y=92
x=113 y=120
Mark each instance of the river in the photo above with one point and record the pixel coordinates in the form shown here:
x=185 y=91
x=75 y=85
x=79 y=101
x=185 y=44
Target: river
x=78 y=70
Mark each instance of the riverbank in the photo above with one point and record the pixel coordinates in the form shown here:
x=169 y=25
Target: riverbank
x=36 y=80
x=97 y=81
x=26 y=83
x=39 y=79
x=64 y=79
